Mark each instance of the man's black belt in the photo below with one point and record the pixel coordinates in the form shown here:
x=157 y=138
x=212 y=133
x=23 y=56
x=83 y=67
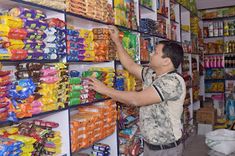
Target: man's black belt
x=162 y=147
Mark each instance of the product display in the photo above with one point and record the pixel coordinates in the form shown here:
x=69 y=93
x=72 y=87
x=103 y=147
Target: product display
x=5 y=84
x=194 y=25
x=35 y=34
x=92 y=123
x=161 y=27
x=187 y=46
x=214 y=62
x=162 y=8
x=35 y=137
x=79 y=92
x=97 y=9
x=29 y=35
x=147 y=3
x=215 y=47
x=214 y=74
x=214 y=13
x=55 y=40
x=129 y=42
x=190 y=4
x=38 y=88
x=129 y=138
x=104 y=47
x=214 y=86
x=148 y=26
x=229 y=46
x=57 y=4
x=90 y=45
x=100 y=149
x=196 y=94
x=214 y=29
x=125 y=14
x=230 y=73
x=145 y=49
x=80 y=45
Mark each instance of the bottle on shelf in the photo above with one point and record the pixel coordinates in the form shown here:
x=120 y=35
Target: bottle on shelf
x=221 y=29
x=216 y=29
x=222 y=61
x=230 y=61
x=226 y=28
x=211 y=29
x=231 y=28
x=218 y=62
x=226 y=48
x=226 y=61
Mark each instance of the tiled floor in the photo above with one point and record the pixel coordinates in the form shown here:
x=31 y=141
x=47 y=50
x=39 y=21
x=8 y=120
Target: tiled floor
x=196 y=147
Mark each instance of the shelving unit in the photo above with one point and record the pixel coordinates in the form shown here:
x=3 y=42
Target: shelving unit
x=217 y=34
x=172 y=31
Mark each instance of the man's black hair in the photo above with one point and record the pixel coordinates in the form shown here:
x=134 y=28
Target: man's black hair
x=174 y=51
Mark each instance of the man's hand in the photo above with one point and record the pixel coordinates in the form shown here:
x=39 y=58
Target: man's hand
x=97 y=86
x=114 y=33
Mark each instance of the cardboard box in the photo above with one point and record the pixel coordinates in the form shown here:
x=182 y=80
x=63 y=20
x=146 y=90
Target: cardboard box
x=206 y=115
x=204 y=129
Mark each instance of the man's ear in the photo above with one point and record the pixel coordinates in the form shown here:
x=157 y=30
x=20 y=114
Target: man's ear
x=167 y=61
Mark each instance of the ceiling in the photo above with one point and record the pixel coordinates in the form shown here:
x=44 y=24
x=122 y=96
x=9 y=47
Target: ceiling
x=203 y=4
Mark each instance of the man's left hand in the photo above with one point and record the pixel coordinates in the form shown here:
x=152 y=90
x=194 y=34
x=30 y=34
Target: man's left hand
x=97 y=85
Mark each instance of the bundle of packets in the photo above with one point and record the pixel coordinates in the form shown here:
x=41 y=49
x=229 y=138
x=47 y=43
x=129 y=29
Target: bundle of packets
x=52 y=78
x=145 y=49
x=92 y=123
x=55 y=40
x=104 y=47
x=21 y=96
x=119 y=83
x=148 y=25
x=63 y=85
x=34 y=138
x=125 y=14
x=10 y=147
x=79 y=84
x=5 y=84
x=39 y=88
x=23 y=31
x=80 y=46
x=96 y=9
x=108 y=75
x=100 y=149
x=79 y=88
x=23 y=34
x=129 y=80
x=129 y=42
x=57 y=4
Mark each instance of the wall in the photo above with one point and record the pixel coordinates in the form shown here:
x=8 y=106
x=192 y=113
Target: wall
x=202 y=4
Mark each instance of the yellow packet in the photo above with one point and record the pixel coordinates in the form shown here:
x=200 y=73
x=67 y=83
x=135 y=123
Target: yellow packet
x=12 y=22
x=11 y=130
x=16 y=44
x=4 y=30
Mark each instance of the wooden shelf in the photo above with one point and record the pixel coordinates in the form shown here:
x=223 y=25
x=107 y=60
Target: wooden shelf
x=218 y=18
x=215 y=54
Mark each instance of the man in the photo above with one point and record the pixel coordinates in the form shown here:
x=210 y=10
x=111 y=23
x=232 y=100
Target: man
x=160 y=102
